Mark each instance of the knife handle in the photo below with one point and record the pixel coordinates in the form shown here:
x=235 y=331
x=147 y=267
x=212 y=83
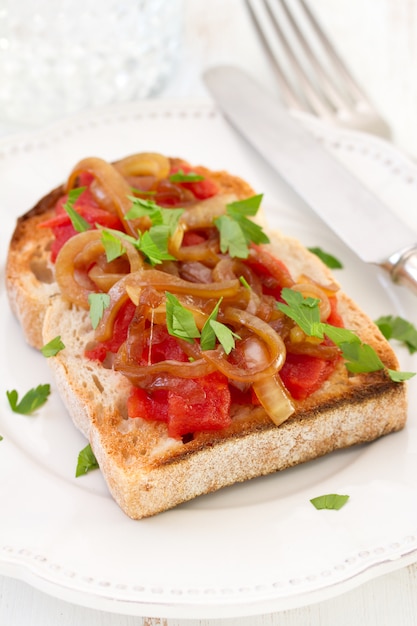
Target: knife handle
x=402 y=267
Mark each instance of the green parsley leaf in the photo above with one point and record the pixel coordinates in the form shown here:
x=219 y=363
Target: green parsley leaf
x=144 y=208
x=304 y=311
x=154 y=244
x=240 y=209
x=399 y=377
x=328 y=259
x=1 y=438
x=225 y=336
x=214 y=330
x=400 y=329
x=157 y=214
x=236 y=230
x=244 y=282
x=98 y=303
x=31 y=401
x=78 y=222
x=170 y=218
x=232 y=238
x=360 y=357
x=113 y=245
x=181 y=177
x=141 y=192
x=329 y=501
x=53 y=347
x=208 y=336
x=180 y=321
x=248 y=206
x=86 y=461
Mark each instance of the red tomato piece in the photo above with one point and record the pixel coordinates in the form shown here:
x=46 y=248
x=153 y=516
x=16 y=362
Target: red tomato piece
x=273 y=273
x=163 y=347
x=303 y=374
x=196 y=406
x=202 y=189
x=150 y=407
x=88 y=208
x=213 y=413
x=120 y=328
x=243 y=397
x=334 y=318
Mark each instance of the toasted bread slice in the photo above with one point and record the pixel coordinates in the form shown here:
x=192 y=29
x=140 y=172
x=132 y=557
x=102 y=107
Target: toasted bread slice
x=146 y=470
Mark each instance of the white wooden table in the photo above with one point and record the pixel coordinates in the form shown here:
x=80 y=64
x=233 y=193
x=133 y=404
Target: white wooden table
x=378 y=38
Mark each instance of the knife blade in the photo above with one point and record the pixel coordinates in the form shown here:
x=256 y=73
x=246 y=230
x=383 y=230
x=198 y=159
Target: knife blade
x=351 y=210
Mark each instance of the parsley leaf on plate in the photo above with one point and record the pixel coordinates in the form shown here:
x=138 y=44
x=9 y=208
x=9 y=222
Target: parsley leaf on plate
x=400 y=329
x=327 y=258
x=32 y=400
x=86 y=461
x=329 y=501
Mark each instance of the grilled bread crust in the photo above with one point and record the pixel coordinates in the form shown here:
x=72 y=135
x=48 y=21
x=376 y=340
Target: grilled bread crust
x=147 y=471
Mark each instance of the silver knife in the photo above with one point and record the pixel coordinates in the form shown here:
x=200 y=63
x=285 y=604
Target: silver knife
x=357 y=216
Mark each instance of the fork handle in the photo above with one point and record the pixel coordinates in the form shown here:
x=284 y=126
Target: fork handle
x=402 y=267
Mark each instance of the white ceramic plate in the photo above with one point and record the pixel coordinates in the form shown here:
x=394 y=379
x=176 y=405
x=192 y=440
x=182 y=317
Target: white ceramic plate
x=248 y=549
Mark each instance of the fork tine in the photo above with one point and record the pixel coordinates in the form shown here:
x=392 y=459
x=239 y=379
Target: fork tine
x=336 y=98
x=317 y=98
x=312 y=76
x=289 y=94
x=335 y=58
x=265 y=19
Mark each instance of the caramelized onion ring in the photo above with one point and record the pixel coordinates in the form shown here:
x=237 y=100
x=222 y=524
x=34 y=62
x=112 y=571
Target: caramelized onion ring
x=144 y=164
x=168 y=282
x=264 y=333
x=70 y=288
x=118 y=297
x=111 y=186
x=139 y=375
x=80 y=254
x=204 y=213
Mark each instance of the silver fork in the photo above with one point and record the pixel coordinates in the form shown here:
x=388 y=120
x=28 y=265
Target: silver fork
x=312 y=76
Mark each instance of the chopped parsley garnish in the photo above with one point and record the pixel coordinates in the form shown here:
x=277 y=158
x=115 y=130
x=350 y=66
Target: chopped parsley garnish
x=153 y=243
x=1 y=438
x=328 y=259
x=359 y=357
x=400 y=329
x=32 y=400
x=113 y=245
x=182 y=177
x=78 y=222
x=158 y=215
x=53 y=347
x=180 y=321
x=236 y=230
x=331 y=501
x=98 y=303
x=213 y=330
x=181 y=324
x=86 y=461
